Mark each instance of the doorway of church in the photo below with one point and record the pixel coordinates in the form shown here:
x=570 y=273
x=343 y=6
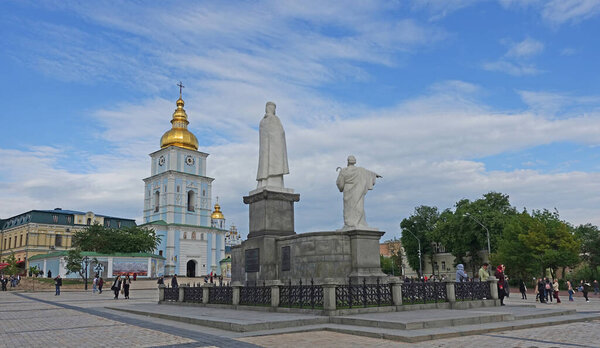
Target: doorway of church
x=191 y=268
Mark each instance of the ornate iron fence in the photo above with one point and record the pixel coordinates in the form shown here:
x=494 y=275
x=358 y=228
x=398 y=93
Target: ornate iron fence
x=365 y=295
x=472 y=290
x=301 y=296
x=172 y=294
x=220 y=294
x=419 y=292
x=255 y=295
x=192 y=294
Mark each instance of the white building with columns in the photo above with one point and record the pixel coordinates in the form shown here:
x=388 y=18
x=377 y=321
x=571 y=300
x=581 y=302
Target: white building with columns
x=177 y=202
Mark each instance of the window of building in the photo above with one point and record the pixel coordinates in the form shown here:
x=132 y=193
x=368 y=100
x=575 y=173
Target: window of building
x=435 y=266
x=107 y=223
x=201 y=236
x=68 y=219
x=55 y=218
x=9 y=242
x=160 y=252
x=184 y=235
x=58 y=240
x=443 y=265
x=21 y=241
x=119 y=224
x=203 y=192
x=89 y=221
x=177 y=188
x=156 y=201
x=194 y=235
x=190 y=200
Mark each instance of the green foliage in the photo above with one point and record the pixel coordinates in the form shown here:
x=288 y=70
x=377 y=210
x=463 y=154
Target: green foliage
x=513 y=253
x=34 y=270
x=462 y=231
x=389 y=266
x=74 y=262
x=421 y=224
x=102 y=239
x=589 y=236
x=12 y=268
x=551 y=241
x=395 y=248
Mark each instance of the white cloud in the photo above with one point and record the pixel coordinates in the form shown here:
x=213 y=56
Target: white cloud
x=516 y=61
x=559 y=11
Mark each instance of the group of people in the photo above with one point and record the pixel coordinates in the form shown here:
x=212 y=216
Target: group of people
x=121 y=285
x=12 y=280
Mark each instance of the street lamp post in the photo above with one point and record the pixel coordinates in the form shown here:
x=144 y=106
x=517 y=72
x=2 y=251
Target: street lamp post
x=418 y=241
x=86 y=261
x=486 y=231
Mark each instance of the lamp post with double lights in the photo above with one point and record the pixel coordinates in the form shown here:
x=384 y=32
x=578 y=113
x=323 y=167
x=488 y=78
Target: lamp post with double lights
x=419 y=251
x=86 y=261
x=486 y=231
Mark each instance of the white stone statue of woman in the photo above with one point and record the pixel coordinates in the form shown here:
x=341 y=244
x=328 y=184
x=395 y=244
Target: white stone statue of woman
x=272 y=159
x=355 y=182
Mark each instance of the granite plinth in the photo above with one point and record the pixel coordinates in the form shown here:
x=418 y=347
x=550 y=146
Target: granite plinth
x=271 y=213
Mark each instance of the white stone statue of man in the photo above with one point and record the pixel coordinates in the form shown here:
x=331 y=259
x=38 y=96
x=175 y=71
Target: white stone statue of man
x=355 y=182
x=272 y=158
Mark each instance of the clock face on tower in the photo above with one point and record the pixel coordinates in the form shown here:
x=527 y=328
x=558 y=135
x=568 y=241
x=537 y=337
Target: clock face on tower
x=161 y=160
x=189 y=160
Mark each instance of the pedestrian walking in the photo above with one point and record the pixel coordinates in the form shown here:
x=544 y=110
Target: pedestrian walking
x=541 y=286
x=100 y=285
x=535 y=290
x=523 y=289
x=570 y=290
x=126 y=285
x=483 y=273
x=555 y=290
x=57 y=284
x=174 y=283
x=94 y=284
x=585 y=288
x=500 y=276
x=548 y=290
x=506 y=285
x=116 y=287
x=596 y=288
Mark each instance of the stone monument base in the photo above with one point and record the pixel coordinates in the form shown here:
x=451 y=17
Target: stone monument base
x=337 y=255
x=271 y=212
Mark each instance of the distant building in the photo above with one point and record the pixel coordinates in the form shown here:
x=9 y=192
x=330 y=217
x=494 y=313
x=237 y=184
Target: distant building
x=43 y=231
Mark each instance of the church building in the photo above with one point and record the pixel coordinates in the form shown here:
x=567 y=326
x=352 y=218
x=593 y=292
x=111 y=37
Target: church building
x=177 y=202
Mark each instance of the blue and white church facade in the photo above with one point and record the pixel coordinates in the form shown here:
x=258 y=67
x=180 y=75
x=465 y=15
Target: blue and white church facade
x=177 y=202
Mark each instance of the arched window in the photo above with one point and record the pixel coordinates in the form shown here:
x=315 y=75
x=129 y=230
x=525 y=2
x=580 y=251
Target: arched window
x=89 y=221
x=156 y=200
x=184 y=235
x=190 y=201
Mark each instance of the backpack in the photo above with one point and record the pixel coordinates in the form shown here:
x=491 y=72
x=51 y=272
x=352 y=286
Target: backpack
x=547 y=286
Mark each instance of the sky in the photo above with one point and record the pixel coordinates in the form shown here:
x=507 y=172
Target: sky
x=445 y=99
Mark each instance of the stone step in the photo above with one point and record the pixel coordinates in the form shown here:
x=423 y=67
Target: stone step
x=413 y=336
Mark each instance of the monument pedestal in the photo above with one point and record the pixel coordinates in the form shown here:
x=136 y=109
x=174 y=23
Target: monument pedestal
x=271 y=212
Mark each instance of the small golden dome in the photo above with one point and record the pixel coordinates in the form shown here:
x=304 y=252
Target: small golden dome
x=217 y=214
x=179 y=135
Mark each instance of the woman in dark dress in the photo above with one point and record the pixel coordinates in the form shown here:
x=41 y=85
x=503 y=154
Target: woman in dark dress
x=500 y=276
x=126 y=284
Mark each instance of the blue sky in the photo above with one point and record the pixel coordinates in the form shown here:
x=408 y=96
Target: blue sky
x=445 y=99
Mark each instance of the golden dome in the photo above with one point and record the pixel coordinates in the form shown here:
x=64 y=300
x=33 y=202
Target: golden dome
x=179 y=135
x=217 y=214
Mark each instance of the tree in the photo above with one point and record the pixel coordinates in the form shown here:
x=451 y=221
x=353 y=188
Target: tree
x=12 y=268
x=420 y=224
x=74 y=262
x=33 y=271
x=106 y=240
x=552 y=242
x=511 y=251
x=589 y=236
x=462 y=231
